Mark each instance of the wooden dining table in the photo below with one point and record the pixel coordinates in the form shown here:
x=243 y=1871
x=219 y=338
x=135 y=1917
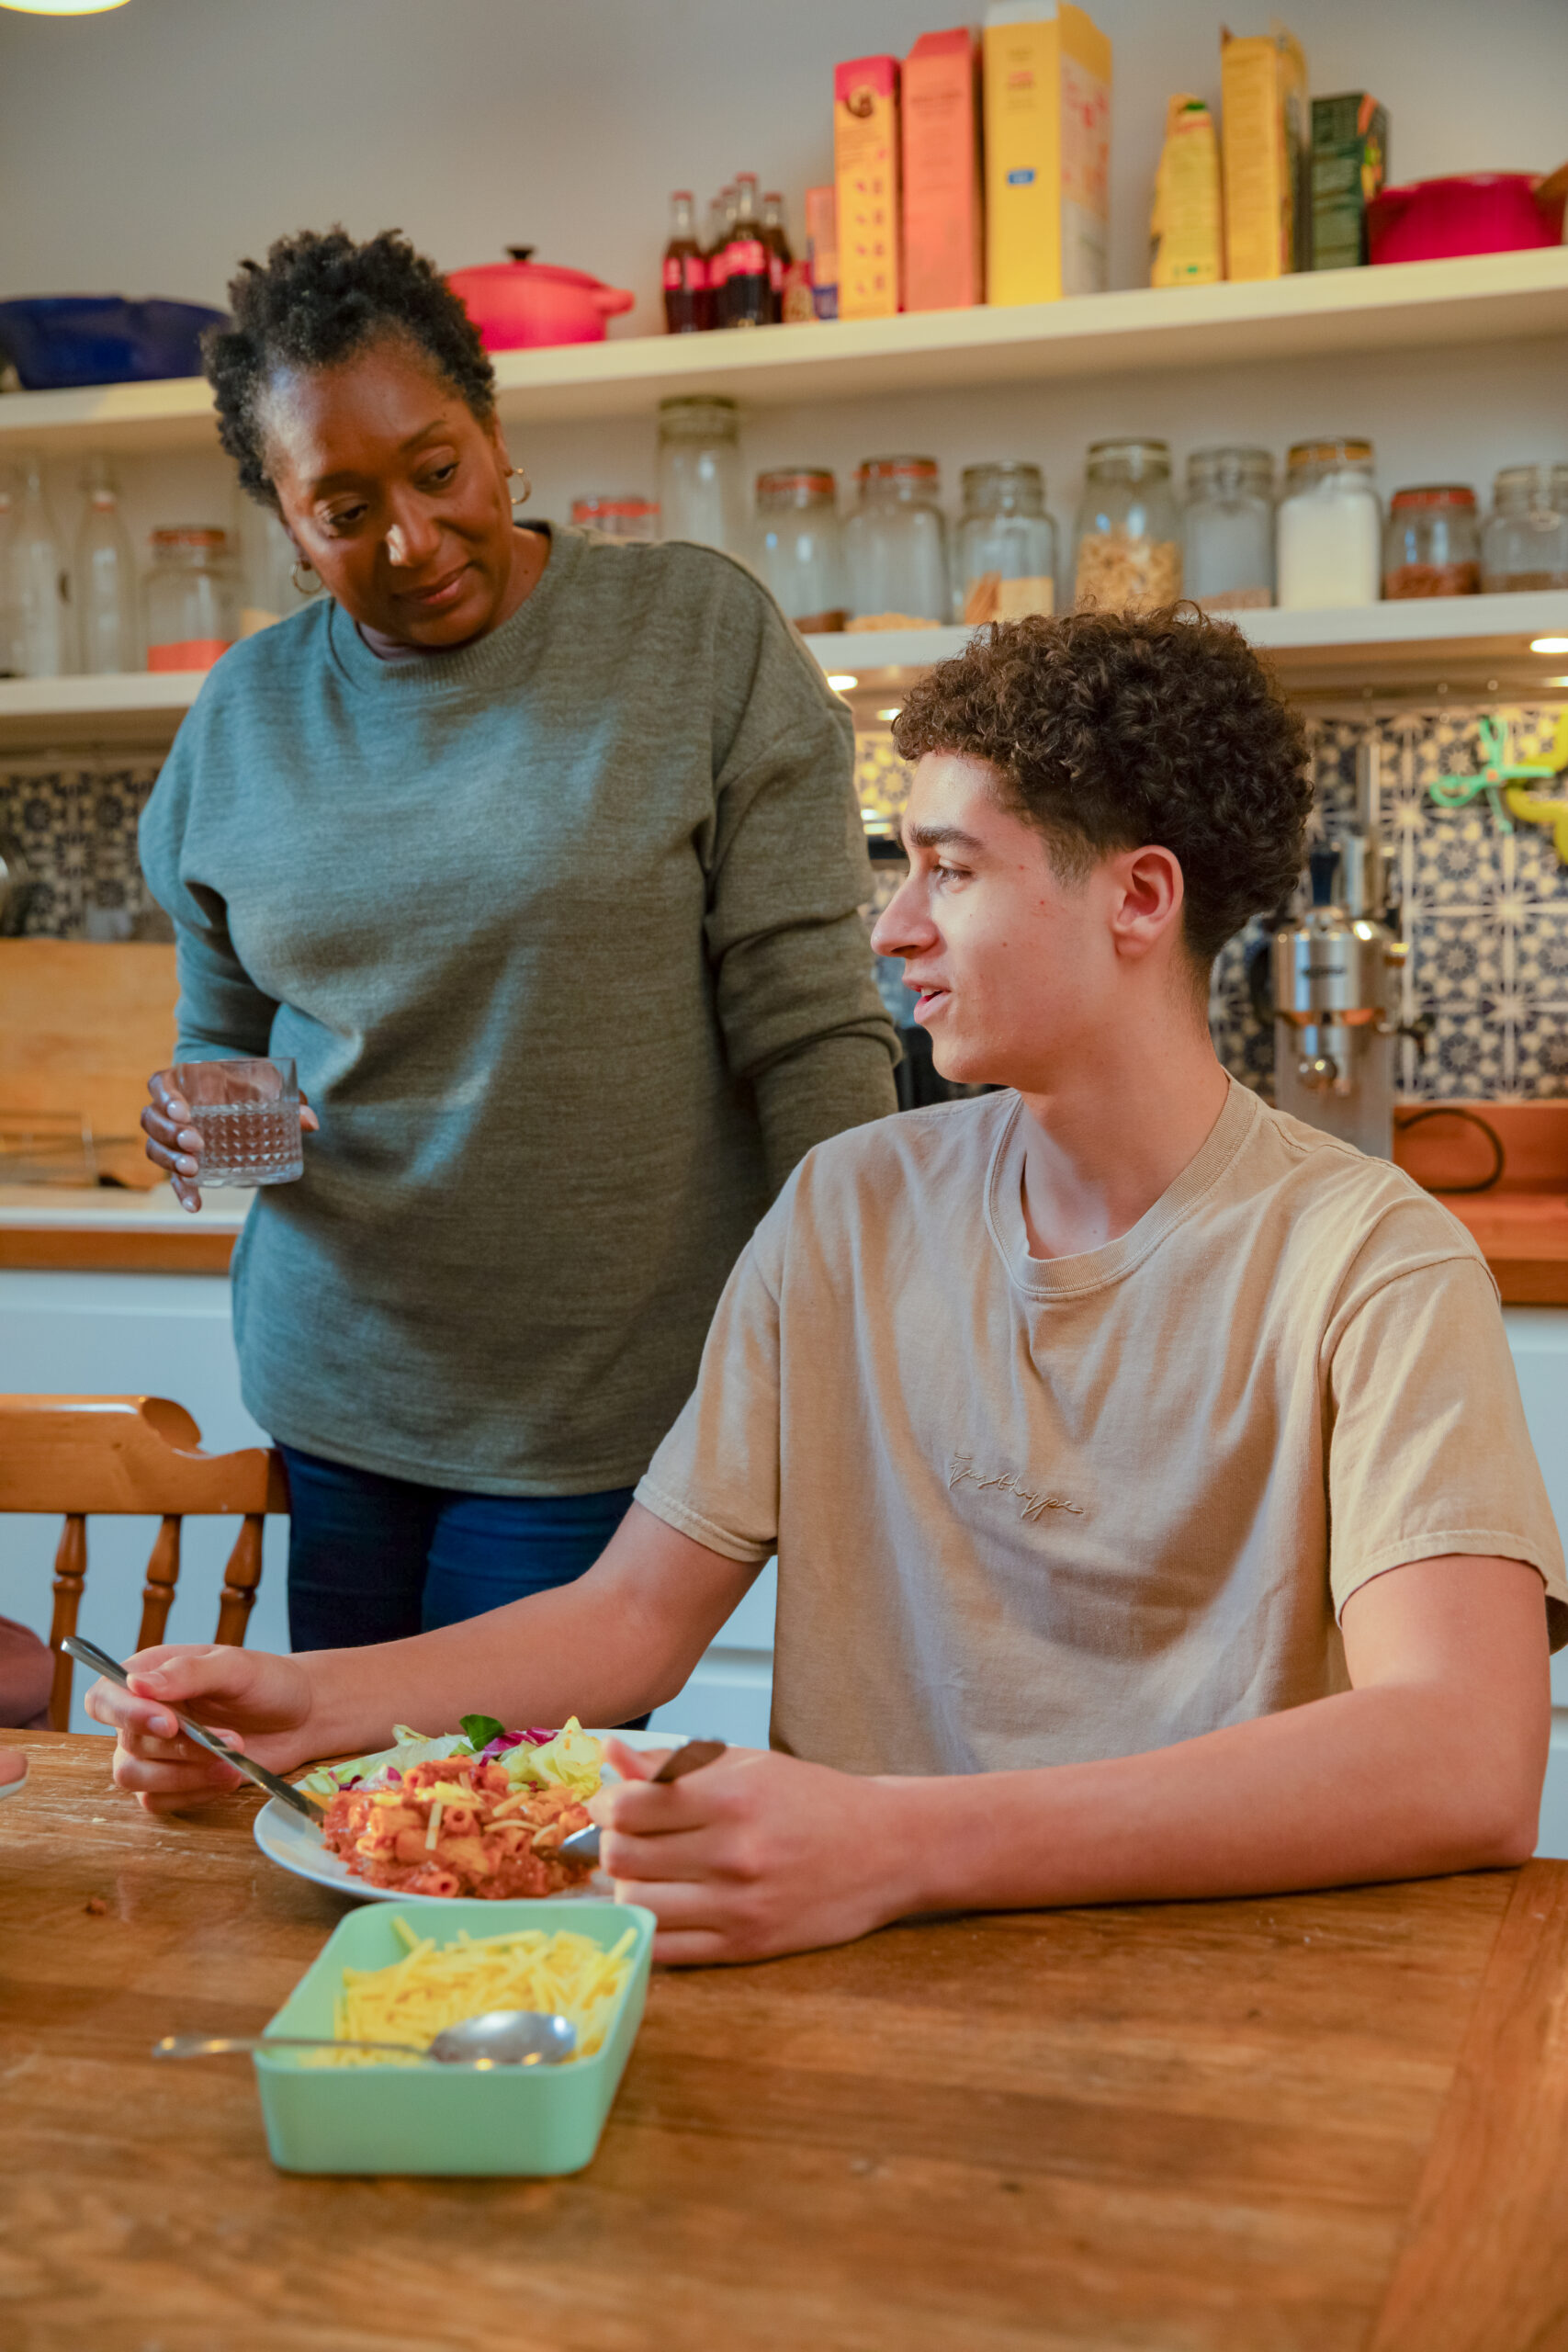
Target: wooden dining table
x=1324 y=2123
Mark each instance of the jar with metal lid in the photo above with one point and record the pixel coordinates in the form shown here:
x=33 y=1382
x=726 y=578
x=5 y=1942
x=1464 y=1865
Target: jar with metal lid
x=192 y=596
x=1227 y=530
x=1328 y=531
x=1431 y=545
x=1007 y=545
x=896 y=546
x=1525 y=543
x=1127 y=552
x=797 y=551
x=632 y=520
x=701 y=494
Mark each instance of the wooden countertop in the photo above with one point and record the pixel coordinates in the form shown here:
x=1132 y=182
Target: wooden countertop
x=88 y=1229
x=1319 y=2123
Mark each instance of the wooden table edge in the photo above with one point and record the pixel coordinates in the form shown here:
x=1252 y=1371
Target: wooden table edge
x=1485 y=2263
x=77 y=1250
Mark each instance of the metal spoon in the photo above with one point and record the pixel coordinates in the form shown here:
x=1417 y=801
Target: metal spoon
x=583 y=1844
x=498 y=2038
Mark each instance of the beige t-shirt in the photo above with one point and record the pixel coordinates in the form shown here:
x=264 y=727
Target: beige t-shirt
x=1043 y=1511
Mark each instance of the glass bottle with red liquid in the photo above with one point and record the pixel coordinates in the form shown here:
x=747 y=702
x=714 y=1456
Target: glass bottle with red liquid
x=721 y=219
x=686 y=270
x=747 y=281
x=776 y=236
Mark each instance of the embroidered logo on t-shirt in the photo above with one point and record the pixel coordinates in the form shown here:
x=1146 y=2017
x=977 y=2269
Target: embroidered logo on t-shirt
x=1033 y=1503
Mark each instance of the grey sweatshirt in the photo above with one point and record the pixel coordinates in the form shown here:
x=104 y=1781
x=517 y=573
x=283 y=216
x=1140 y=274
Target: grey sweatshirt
x=561 y=931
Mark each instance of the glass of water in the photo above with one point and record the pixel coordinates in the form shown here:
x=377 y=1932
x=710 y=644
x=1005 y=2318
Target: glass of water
x=247 y=1115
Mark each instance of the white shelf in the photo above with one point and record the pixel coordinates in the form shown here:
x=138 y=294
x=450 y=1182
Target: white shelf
x=1415 y=305
x=1457 y=635
x=128 y=706
x=1464 y=641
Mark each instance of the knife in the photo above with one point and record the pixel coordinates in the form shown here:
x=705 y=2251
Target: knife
x=88 y=1653
x=583 y=1844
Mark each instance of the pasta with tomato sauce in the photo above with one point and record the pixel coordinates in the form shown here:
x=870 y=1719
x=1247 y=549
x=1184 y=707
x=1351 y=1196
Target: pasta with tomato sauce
x=459 y=1827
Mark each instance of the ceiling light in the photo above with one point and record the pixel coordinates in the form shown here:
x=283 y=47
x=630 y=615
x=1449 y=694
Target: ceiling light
x=842 y=684
x=891 y=713
x=61 y=8
x=1549 y=645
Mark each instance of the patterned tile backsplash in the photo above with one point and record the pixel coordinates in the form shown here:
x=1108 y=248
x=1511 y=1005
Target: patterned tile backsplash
x=1485 y=909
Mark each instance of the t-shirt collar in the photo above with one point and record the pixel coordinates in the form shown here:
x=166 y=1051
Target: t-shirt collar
x=1094 y=1269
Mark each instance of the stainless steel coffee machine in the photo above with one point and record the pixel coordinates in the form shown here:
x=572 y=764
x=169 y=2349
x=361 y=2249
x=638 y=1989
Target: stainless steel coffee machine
x=1336 y=974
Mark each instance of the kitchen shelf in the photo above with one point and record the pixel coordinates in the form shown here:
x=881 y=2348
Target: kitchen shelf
x=1470 y=643
x=134 y=706
x=1413 y=305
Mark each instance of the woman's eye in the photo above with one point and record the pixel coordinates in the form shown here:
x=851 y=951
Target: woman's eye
x=343 y=518
x=441 y=475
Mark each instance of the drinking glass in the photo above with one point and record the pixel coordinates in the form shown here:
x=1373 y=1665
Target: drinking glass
x=247 y=1115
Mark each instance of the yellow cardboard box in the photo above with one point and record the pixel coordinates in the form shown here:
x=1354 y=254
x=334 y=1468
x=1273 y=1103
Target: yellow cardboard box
x=866 y=171
x=1267 y=150
x=1047 y=126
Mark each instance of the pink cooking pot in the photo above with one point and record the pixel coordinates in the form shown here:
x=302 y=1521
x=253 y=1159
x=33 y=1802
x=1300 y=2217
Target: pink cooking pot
x=521 y=305
x=1476 y=212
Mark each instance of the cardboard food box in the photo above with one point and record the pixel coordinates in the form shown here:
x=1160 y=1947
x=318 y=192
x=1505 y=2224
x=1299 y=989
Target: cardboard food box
x=1349 y=166
x=1047 y=137
x=866 y=173
x=1264 y=133
x=939 y=105
x=1186 y=228
x=822 y=249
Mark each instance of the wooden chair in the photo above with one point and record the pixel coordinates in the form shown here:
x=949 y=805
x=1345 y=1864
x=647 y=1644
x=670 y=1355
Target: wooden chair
x=132 y=1455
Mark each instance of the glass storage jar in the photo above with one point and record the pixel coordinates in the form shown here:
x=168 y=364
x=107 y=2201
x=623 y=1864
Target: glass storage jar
x=1006 y=561
x=701 y=494
x=1227 y=530
x=192 y=599
x=1525 y=543
x=896 y=546
x=35 y=636
x=1328 y=532
x=797 y=550
x=1127 y=550
x=634 y=521
x=1431 y=546
x=108 y=632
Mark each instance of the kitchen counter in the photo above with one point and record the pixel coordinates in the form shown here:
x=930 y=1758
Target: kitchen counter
x=71 y=1228
x=1521 y=1226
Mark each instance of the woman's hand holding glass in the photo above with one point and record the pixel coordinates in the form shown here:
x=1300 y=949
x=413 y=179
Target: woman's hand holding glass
x=173 y=1141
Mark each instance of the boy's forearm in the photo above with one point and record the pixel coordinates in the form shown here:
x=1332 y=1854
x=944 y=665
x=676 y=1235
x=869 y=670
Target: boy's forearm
x=619 y=1641
x=1377 y=1783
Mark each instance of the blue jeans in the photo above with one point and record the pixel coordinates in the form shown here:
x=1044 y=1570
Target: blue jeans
x=374 y=1559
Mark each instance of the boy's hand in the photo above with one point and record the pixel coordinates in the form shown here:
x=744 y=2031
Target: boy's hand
x=753 y=1856
x=256 y=1701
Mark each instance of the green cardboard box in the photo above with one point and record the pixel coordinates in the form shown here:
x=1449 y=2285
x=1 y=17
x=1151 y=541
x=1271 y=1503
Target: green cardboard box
x=1349 y=164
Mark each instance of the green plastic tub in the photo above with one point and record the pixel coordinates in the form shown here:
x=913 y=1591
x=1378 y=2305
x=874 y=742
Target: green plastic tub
x=444 y=2119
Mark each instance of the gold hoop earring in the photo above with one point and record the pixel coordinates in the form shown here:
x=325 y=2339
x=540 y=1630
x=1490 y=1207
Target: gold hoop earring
x=309 y=585
x=519 y=497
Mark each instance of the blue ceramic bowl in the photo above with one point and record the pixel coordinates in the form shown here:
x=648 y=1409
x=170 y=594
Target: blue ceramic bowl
x=58 y=340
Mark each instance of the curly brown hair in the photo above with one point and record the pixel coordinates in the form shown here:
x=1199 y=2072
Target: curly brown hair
x=1111 y=729
x=319 y=299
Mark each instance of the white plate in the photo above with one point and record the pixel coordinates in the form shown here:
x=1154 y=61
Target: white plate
x=295 y=1844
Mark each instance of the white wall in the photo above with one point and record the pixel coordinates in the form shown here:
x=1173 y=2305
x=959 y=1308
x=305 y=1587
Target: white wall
x=143 y=150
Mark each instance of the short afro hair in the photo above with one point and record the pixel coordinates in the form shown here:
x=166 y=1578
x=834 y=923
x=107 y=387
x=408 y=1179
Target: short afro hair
x=1111 y=729
x=316 y=300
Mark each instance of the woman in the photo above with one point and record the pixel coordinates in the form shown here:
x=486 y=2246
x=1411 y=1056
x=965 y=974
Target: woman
x=540 y=857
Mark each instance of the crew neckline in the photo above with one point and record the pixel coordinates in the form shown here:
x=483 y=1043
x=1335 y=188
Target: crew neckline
x=1091 y=1270
x=488 y=658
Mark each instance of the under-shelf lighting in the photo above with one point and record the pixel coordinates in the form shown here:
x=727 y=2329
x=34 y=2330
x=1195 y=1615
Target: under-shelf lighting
x=1549 y=645
x=842 y=684
x=893 y=711
x=61 y=8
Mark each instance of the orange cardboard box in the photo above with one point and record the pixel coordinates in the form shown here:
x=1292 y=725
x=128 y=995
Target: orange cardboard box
x=866 y=171
x=939 y=106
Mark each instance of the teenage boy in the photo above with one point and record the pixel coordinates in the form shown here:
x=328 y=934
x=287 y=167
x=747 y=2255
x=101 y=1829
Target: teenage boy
x=1153 y=1503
